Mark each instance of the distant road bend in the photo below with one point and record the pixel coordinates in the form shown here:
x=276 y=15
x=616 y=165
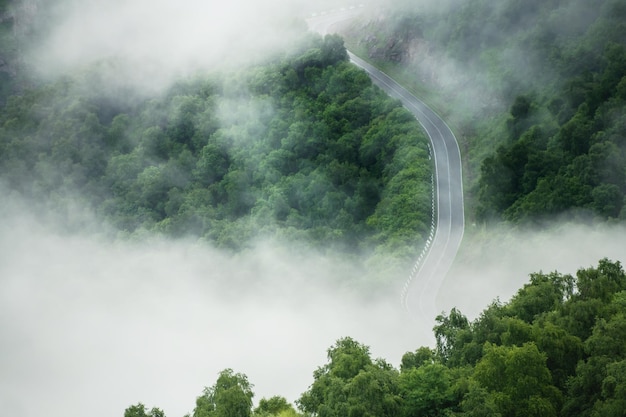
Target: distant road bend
x=420 y=291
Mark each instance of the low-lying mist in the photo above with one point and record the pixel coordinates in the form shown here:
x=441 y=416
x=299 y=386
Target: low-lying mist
x=494 y=262
x=90 y=323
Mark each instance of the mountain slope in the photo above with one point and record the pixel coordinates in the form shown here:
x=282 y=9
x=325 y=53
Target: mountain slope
x=304 y=148
x=535 y=90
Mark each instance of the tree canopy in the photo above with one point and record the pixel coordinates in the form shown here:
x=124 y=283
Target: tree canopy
x=303 y=148
x=230 y=396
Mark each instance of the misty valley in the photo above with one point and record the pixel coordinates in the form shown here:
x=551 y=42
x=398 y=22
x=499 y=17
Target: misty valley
x=198 y=200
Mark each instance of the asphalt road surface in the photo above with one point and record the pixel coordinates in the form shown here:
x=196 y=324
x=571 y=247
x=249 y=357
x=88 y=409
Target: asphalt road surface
x=420 y=291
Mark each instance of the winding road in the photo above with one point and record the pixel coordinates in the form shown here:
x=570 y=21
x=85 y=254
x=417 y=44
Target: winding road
x=420 y=290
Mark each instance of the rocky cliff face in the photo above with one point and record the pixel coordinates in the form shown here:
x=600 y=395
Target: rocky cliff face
x=387 y=37
x=392 y=49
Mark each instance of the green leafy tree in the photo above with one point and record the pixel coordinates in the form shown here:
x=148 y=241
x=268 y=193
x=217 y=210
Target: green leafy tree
x=347 y=358
x=274 y=406
x=544 y=293
x=139 y=410
x=612 y=401
x=602 y=282
x=333 y=50
x=478 y=402
x=231 y=396
x=427 y=390
x=563 y=350
x=598 y=383
x=518 y=380
x=352 y=384
x=421 y=356
x=451 y=332
x=595 y=287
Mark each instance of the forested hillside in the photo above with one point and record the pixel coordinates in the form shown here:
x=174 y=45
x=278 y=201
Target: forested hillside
x=536 y=90
x=557 y=348
x=304 y=148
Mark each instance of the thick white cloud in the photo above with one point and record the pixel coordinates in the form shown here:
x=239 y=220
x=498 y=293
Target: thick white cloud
x=153 y=41
x=92 y=326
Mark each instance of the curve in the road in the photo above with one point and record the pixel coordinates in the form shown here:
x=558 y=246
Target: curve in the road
x=420 y=291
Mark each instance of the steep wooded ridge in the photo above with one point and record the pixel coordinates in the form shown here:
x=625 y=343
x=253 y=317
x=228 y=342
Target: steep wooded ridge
x=303 y=148
x=536 y=89
x=447 y=227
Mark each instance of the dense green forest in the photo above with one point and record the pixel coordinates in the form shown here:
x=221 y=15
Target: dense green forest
x=304 y=148
x=538 y=97
x=557 y=348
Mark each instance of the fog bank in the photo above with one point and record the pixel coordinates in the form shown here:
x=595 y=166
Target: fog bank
x=495 y=262
x=87 y=323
